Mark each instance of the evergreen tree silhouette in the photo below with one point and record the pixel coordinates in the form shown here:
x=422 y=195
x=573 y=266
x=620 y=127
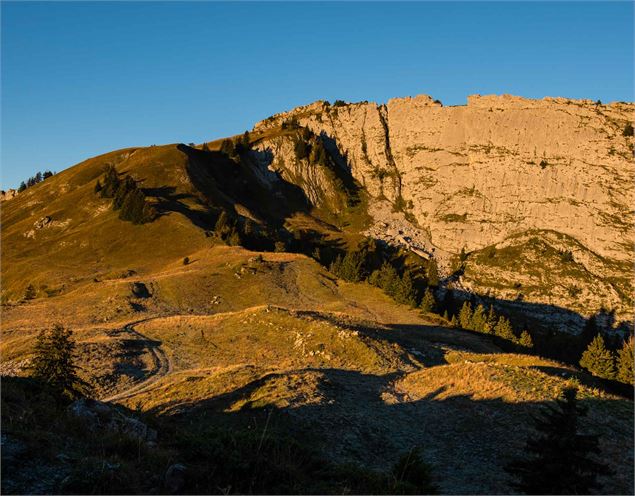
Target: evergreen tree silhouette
x=559 y=461
x=54 y=361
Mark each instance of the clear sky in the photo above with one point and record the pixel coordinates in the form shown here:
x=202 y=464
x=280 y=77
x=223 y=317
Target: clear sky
x=80 y=79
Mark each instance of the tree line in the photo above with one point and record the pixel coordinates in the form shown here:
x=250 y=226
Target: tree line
x=33 y=180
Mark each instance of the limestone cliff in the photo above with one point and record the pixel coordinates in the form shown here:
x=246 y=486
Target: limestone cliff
x=484 y=175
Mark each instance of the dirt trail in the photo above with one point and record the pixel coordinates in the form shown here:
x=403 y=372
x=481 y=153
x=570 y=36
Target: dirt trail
x=162 y=365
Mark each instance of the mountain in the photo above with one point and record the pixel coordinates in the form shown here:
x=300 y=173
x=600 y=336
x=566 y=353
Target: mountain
x=275 y=277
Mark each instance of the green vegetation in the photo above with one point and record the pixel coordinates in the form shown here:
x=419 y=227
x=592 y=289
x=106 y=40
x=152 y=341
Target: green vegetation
x=560 y=461
x=428 y=303
x=127 y=197
x=32 y=181
x=628 y=129
x=598 y=360
x=54 y=361
x=625 y=362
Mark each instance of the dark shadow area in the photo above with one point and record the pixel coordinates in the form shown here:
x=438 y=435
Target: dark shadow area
x=466 y=441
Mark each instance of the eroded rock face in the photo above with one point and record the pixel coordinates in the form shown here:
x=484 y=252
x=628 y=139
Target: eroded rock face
x=8 y=194
x=475 y=175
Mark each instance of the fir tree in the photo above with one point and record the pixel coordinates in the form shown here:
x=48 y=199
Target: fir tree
x=598 y=360
x=428 y=302
x=492 y=318
x=478 y=320
x=125 y=187
x=559 y=460
x=504 y=329
x=445 y=315
x=465 y=315
x=54 y=361
x=350 y=267
x=22 y=187
x=625 y=362
x=454 y=322
x=432 y=273
x=406 y=292
x=525 y=340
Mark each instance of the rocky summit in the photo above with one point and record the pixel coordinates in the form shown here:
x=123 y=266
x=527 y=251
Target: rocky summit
x=348 y=298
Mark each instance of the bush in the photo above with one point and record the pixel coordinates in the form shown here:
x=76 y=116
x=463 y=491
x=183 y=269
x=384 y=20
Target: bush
x=628 y=129
x=598 y=360
x=411 y=475
x=186 y=261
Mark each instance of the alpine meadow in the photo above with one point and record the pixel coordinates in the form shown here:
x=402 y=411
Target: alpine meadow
x=348 y=297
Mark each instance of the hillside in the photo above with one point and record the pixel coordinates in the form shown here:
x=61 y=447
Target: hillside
x=222 y=306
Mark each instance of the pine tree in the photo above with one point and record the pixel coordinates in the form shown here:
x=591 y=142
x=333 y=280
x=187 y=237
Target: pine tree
x=54 y=361
x=478 y=320
x=125 y=187
x=490 y=323
x=504 y=329
x=465 y=315
x=432 y=273
x=525 y=340
x=598 y=360
x=385 y=278
x=454 y=322
x=445 y=315
x=559 y=460
x=22 y=187
x=625 y=362
x=428 y=302
x=351 y=267
x=406 y=292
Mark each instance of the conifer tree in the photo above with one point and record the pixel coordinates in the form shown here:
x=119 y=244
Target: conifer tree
x=22 y=187
x=625 y=361
x=54 y=361
x=559 y=461
x=406 y=292
x=428 y=302
x=465 y=315
x=598 y=360
x=98 y=186
x=479 y=319
x=454 y=322
x=432 y=273
x=445 y=315
x=350 y=268
x=504 y=329
x=491 y=320
x=525 y=340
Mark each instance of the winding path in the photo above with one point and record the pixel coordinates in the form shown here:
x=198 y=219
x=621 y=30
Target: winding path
x=162 y=366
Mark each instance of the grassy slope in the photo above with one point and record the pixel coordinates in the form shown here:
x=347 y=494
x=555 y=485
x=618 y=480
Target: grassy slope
x=371 y=378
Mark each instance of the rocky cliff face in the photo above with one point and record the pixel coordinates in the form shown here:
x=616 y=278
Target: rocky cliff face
x=483 y=175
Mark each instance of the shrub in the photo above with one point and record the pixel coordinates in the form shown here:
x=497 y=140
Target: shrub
x=186 y=261
x=628 y=129
x=30 y=292
x=411 y=475
x=543 y=164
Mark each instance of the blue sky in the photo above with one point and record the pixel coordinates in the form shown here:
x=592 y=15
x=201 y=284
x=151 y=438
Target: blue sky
x=80 y=79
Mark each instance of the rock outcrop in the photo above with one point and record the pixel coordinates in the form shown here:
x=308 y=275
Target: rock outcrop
x=8 y=194
x=472 y=176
